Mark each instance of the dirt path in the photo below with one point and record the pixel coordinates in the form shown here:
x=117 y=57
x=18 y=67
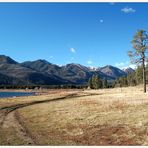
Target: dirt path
x=9 y=118
x=12 y=120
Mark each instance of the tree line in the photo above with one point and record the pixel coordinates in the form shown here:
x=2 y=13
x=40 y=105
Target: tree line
x=36 y=87
x=138 y=55
x=95 y=82
x=132 y=79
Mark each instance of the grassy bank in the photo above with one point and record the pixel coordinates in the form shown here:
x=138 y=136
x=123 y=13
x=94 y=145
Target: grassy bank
x=91 y=117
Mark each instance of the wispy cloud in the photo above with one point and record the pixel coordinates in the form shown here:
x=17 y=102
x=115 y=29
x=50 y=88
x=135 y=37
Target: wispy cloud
x=72 y=58
x=133 y=66
x=112 y=3
x=89 y=62
x=128 y=10
x=125 y=64
x=73 y=50
x=51 y=57
x=121 y=64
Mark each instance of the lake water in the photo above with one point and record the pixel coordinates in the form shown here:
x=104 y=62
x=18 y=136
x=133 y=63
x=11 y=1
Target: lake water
x=15 y=94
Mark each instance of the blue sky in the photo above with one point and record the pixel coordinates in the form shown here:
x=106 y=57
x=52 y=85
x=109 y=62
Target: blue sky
x=91 y=34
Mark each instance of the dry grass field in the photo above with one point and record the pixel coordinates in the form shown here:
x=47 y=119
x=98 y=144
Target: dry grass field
x=76 y=117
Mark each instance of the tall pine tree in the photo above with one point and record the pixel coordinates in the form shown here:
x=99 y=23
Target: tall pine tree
x=96 y=82
x=105 y=83
x=139 y=51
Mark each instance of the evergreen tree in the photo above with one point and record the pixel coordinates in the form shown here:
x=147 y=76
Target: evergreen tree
x=90 y=84
x=105 y=83
x=95 y=82
x=121 y=82
x=139 y=74
x=98 y=82
x=131 y=79
x=138 y=54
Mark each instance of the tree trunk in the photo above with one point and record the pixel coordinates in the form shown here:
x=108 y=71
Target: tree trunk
x=144 y=75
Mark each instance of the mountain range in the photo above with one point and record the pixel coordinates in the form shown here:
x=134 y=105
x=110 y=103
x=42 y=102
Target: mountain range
x=42 y=72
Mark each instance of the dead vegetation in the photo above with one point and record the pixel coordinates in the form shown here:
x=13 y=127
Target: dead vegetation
x=92 y=117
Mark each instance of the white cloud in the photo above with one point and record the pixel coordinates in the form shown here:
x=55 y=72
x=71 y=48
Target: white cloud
x=133 y=66
x=120 y=64
x=111 y=3
x=125 y=64
x=72 y=50
x=72 y=58
x=101 y=21
x=51 y=57
x=89 y=62
x=128 y=10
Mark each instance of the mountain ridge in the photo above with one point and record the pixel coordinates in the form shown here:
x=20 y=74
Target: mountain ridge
x=45 y=73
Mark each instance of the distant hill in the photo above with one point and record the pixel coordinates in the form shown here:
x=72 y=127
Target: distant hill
x=128 y=70
x=6 y=60
x=45 y=73
x=8 y=80
x=112 y=71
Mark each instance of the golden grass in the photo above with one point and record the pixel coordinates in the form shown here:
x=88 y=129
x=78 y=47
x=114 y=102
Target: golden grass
x=104 y=117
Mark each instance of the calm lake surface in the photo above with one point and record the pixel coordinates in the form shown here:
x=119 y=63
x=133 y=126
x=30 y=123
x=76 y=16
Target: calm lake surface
x=15 y=94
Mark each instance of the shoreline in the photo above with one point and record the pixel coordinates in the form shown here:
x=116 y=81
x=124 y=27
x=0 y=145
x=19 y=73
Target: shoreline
x=35 y=93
